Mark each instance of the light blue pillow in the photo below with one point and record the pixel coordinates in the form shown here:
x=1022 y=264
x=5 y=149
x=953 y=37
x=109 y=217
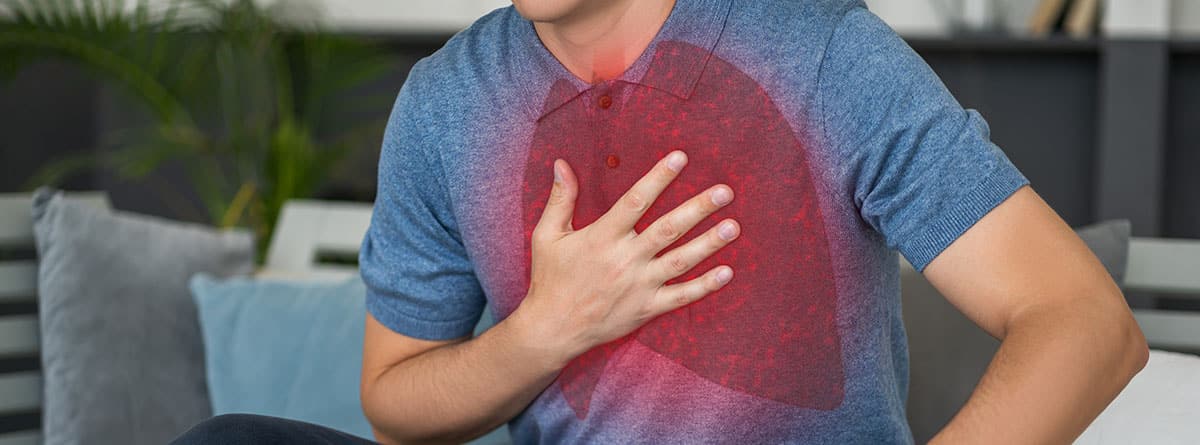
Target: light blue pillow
x=290 y=349
x=284 y=349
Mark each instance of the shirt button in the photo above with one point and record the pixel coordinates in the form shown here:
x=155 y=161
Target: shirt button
x=605 y=101
x=613 y=161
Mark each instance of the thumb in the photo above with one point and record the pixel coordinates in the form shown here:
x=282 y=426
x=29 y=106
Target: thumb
x=560 y=208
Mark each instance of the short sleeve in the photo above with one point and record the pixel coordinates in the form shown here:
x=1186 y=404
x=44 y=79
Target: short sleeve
x=922 y=169
x=420 y=280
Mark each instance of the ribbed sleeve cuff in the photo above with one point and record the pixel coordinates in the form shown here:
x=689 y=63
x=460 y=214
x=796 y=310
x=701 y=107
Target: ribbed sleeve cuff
x=943 y=229
x=404 y=324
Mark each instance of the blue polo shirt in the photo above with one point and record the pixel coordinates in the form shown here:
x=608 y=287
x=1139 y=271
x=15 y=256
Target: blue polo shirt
x=842 y=146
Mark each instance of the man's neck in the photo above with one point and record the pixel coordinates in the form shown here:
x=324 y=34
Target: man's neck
x=600 y=42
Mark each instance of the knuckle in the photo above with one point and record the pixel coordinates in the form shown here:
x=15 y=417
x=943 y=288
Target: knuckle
x=544 y=237
x=667 y=229
x=591 y=244
x=665 y=171
x=539 y=235
x=557 y=195
x=619 y=266
x=714 y=238
x=682 y=299
x=678 y=264
x=711 y=283
x=703 y=203
x=634 y=201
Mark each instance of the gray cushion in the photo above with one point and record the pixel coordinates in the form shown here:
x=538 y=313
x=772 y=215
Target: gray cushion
x=121 y=349
x=1109 y=240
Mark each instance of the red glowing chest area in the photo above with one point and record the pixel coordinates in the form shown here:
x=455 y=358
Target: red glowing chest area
x=772 y=332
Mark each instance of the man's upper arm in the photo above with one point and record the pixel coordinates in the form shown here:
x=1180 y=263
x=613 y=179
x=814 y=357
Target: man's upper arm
x=422 y=292
x=927 y=177
x=420 y=280
x=1018 y=256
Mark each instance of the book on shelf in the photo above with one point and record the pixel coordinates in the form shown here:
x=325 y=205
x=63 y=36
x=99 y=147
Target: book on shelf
x=1048 y=16
x=1083 y=18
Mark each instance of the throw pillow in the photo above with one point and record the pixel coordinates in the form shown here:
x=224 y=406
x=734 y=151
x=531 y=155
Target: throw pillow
x=121 y=349
x=1109 y=240
x=291 y=349
x=287 y=349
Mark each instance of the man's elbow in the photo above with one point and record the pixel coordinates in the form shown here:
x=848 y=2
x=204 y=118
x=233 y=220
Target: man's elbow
x=364 y=398
x=1122 y=338
x=388 y=426
x=1110 y=332
x=369 y=403
x=1118 y=338
x=1136 y=351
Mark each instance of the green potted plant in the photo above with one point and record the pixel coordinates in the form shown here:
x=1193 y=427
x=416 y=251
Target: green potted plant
x=242 y=100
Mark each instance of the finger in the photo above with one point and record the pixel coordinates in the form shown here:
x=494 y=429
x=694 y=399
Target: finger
x=683 y=258
x=560 y=207
x=670 y=227
x=679 y=295
x=621 y=218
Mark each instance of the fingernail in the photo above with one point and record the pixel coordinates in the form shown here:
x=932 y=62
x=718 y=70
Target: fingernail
x=727 y=231
x=722 y=196
x=557 y=173
x=675 y=161
x=724 y=275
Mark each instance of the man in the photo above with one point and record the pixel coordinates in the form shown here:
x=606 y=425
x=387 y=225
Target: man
x=685 y=216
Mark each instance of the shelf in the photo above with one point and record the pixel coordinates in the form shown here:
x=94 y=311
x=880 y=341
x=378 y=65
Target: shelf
x=1004 y=43
x=1190 y=46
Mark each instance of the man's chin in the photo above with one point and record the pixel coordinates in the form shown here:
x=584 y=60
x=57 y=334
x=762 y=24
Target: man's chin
x=549 y=11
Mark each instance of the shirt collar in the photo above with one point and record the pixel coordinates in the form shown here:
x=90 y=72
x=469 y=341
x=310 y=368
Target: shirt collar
x=663 y=66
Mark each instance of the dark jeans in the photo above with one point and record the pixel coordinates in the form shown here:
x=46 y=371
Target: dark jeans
x=237 y=429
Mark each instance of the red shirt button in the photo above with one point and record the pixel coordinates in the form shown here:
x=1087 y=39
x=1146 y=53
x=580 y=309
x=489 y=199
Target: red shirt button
x=613 y=161
x=605 y=101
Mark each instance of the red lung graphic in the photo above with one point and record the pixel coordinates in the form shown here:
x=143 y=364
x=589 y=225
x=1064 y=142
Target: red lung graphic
x=772 y=331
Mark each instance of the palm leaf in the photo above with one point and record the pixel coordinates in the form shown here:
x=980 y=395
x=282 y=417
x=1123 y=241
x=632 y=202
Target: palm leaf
x=58 y=170
x=237 y=96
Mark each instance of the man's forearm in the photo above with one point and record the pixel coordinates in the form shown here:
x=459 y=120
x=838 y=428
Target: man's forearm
x=1056 y=370
x=457 y=392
